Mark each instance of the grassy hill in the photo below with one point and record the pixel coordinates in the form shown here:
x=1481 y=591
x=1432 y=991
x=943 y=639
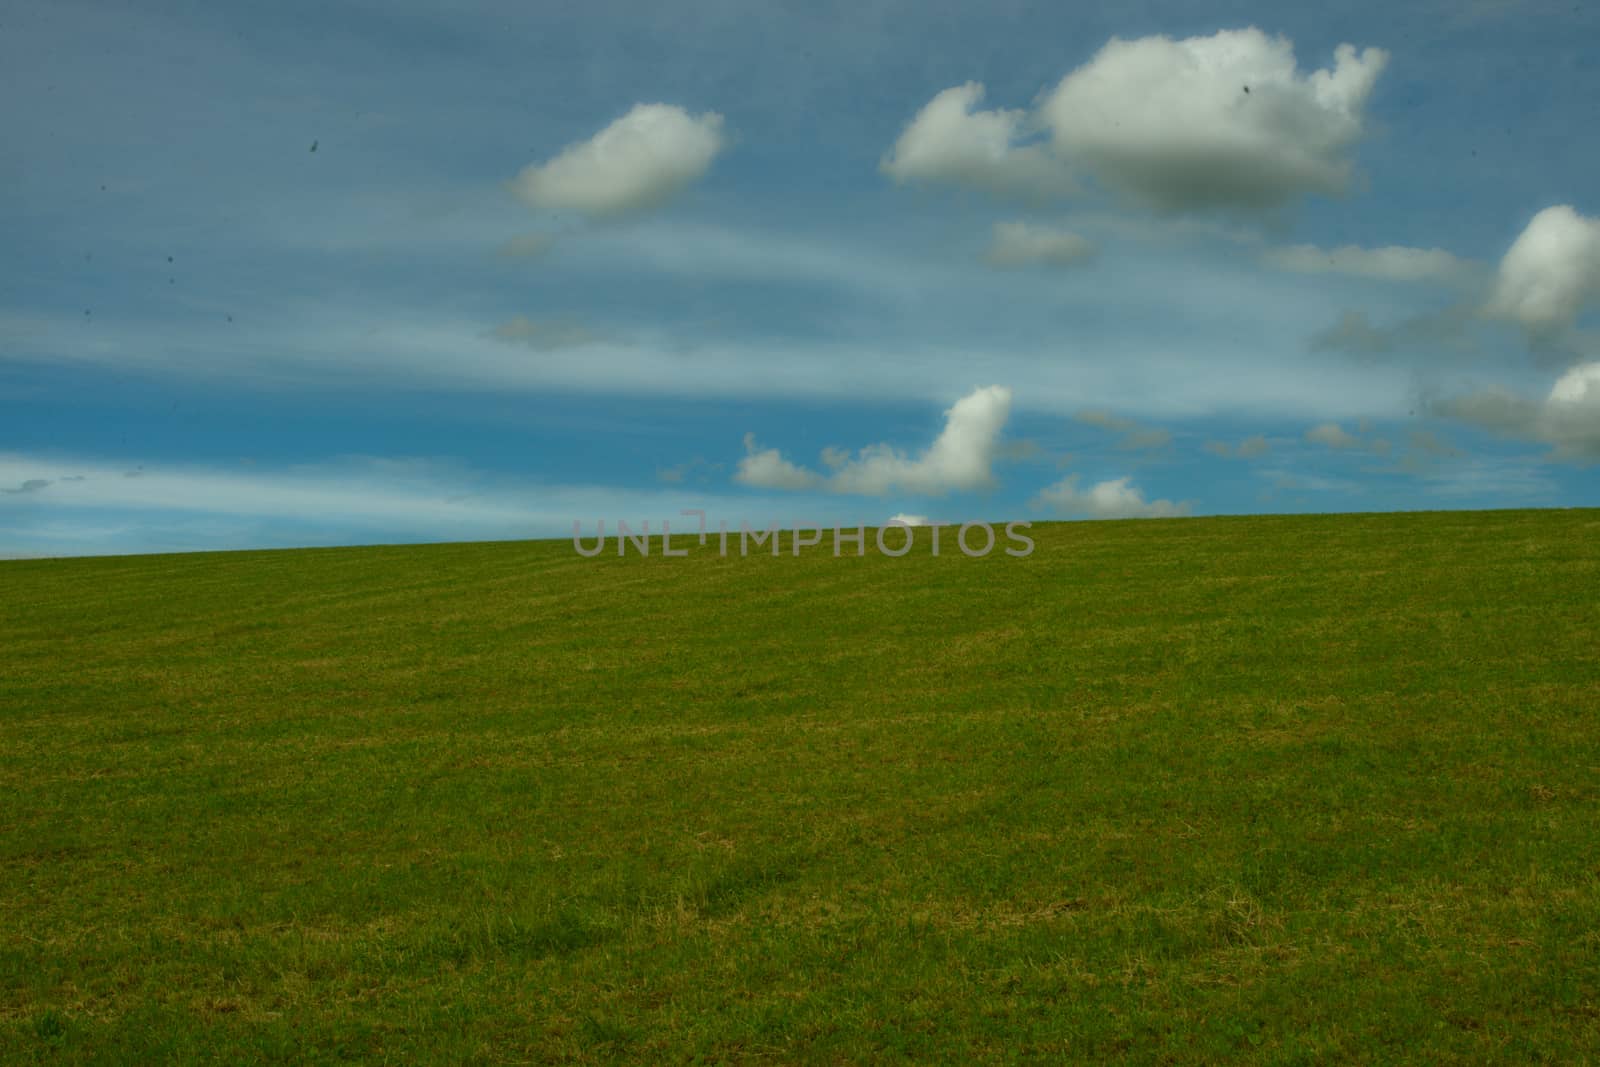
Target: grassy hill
x=1293 y=788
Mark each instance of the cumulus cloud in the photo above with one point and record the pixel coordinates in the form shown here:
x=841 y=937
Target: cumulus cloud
x=948 y=141
x=1222 y=122
x=1016 y=244
x=910 y=520
x=960 y=458
x=1391 y=263
x=1550 y=273
x=1117 y=498
x=1568 y=418
x=765 y=468
x=1226 y=121
x=1333 y=435
x=638 y=162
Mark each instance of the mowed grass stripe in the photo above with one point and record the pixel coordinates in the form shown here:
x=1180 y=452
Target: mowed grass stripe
x=1293 y=788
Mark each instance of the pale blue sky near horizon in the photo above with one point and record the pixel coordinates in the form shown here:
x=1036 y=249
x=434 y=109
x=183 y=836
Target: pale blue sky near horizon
x=350 y=273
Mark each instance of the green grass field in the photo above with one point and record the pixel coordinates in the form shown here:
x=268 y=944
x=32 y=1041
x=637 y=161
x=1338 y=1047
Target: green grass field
x=1294 y=789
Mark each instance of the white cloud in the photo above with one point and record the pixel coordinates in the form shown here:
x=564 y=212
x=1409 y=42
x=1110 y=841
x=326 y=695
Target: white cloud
x=1016 y=244
x=1550 y=273
x=1333 y=435
x=1568 y=418
x=948 y=141
x=960 y=458
x=910 y=520
x=1226 y=121
x=766 y=468
x=638 y=162
x=1391 y=263
x=1113 y=499
x=1578 y=389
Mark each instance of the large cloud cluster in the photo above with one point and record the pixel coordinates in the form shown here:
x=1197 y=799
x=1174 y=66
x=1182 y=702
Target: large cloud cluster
x=1221 y=122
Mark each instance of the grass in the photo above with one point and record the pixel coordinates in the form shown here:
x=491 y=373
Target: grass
x=1295 y=789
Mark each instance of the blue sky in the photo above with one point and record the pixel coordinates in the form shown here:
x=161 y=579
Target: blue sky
x=305 y=274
